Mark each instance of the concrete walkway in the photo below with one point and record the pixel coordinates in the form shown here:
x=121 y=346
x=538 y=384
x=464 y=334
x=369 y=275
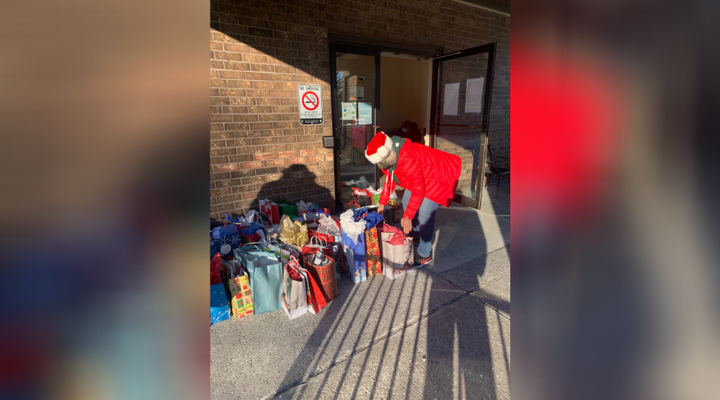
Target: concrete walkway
x=439 y=332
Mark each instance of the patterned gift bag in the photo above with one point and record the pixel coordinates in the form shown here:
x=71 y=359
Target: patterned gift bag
x=324 y=275
x=373 y=259
x=241 y=296
x=271 y=211
x=397 y=257
x=354 y=252
x=219 y=310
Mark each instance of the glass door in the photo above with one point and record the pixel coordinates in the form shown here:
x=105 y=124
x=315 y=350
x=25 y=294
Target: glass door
x=462 y=88
x=355 y=99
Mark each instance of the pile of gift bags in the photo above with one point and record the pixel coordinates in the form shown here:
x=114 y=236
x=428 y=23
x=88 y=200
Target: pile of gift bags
x=291 y=256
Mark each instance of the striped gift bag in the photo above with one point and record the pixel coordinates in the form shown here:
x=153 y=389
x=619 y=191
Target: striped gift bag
x=323 y=274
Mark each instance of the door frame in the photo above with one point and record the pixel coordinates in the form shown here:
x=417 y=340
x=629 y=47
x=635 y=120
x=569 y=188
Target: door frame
x=363 y=46
x=336 y=124
x=491 y=49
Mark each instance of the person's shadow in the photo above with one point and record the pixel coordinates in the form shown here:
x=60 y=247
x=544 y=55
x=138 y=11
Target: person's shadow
x=296 y=183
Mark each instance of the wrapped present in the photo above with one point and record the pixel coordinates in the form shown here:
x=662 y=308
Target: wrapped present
x=241 y=296
x=271 y=211
x=219 y=310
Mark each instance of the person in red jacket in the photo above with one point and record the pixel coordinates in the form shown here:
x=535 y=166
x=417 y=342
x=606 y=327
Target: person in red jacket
x=429 y=176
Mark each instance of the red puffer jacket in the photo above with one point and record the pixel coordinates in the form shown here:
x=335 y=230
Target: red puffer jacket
x=426 y=172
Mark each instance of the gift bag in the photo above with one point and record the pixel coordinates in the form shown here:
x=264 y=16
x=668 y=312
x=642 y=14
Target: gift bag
x=217 y=269
x=397 y=253
x=253 y=233
x=315 y=244
x=354 y=251
x=219 y=310
x=373 y=259
x=240 y=296
x=271 y=211
x=316 y=299
x=302 y=208
x=222 y=231
x=322 y=269
x=266 y=275
x=215 y=245
x=294 y=294
x=287 y=208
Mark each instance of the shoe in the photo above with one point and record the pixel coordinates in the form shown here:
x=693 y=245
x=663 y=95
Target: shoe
x=422 y=261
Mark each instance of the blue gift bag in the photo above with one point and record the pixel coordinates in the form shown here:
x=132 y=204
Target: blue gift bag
x=355 y=257
x=266 y=277
x=219 y=310
x=215 y=245
x=222 y=231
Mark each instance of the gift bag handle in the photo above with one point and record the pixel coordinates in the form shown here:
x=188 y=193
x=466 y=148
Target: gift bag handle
x=322 y=241
x=250 y=246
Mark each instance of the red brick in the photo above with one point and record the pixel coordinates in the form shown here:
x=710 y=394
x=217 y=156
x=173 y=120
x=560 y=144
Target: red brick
x=304 y=153
x=286 y=154
x=295 y=160
x=226 y=167
x=273 y=163
x=252 y=165
x=315 y=159
x=265 y=156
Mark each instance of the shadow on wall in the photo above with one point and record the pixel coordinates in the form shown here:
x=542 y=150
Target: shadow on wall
x=296 y=183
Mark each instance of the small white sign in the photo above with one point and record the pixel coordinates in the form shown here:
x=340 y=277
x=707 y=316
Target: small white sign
x=365 y=113
x=349 y=111
x=452 y=92
x=473 y=98
x=310 y=104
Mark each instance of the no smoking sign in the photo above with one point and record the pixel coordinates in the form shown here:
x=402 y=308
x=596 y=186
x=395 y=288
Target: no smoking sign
x=310 y=104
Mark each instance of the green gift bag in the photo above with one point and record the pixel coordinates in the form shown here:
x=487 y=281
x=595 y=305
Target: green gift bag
x=266 y=277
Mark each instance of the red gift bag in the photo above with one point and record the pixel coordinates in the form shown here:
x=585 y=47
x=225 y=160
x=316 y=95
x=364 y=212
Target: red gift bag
x=373 y=259
x=316 y=299
x=324 y=274
x=271 y=211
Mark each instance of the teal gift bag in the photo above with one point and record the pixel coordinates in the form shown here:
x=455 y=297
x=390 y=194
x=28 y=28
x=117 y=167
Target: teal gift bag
x=266 y=276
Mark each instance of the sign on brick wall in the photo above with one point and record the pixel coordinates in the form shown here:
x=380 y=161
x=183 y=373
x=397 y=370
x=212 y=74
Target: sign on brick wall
x=311 y=107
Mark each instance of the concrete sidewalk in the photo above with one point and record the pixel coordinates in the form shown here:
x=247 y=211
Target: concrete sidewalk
x=439 y=332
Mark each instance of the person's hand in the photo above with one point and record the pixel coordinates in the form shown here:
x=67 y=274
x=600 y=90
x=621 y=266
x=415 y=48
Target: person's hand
x=406 y=225
x=381 y=208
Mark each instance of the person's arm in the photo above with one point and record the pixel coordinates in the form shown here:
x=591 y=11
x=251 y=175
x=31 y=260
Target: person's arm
x=416 y=185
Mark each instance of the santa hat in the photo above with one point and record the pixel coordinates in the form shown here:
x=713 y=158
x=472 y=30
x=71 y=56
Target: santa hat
x=378 y=148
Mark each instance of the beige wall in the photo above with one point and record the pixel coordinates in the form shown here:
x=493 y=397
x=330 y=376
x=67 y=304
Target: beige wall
x=403 y=91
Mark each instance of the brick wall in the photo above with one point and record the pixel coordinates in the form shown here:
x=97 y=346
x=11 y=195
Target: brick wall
x=261 y=50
